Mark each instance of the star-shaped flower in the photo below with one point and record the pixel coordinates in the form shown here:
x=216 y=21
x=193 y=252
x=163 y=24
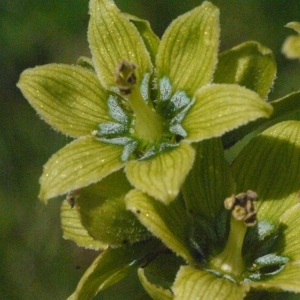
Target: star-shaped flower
x=226 y=256
x=139 y=103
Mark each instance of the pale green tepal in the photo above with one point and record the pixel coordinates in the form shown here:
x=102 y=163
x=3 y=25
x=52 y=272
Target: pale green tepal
x=139 y=103
x=291 y=46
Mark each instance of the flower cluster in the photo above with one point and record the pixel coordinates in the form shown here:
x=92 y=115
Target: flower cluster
x=146 y=176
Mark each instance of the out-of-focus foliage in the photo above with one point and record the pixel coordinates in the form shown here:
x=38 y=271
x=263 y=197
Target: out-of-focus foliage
x=36 y=262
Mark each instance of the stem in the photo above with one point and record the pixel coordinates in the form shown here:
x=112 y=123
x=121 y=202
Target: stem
x=230 y=259
x=148 y=123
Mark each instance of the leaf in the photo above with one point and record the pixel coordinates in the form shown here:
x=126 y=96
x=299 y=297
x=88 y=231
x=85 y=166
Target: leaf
x=220 y=108
x=113 y=38
x=162 y=176
x=269 y=165
x=150 y=39
x=250 y=65
x=103 y=212
x=168 y=223
x=69 y=98
x=192 y=283
x=111 y=266
x=156 y=292
x=79 y=164
x=73 y=229
x=187 y=53
x=209 y=181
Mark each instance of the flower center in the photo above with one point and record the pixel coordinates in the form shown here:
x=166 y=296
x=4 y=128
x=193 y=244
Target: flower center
x=146 y=119
x=243 y=215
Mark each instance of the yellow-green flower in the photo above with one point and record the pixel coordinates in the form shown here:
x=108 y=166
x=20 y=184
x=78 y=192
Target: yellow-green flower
x=222 y=259
x=139 y=103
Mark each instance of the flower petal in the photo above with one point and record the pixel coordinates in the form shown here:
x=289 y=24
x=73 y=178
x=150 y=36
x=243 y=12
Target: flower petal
x=192 y=283
x=250 y=65
x=103 y=213
x=150 y=39
x=222 y=107
x=288 y=279
x=209 y=182
x=110 y=267
x=155 y=291
x=80 y=163
x=269 y=165
x=69 y=98
x=113 y=38
x=281 y=107
x=166 y=172
x=73 y=229
x=187 y=54
x=168 y=223
x=289 y=244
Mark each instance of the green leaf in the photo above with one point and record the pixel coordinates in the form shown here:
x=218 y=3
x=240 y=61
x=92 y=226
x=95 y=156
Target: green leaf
x=156 y=292
x=281 y=108
x=111 y=266
x=220 y=108
x=113 y=38
x=103 y=212
x=192 y=283
x=250 y=65
x=162 y=176
x=73 y=229
x=79 y=164
x=69 y=98
x=150 y=39
x=168 y=223
x=269 y=165
x=187 y=54
x=209 y=182
x=291 y=46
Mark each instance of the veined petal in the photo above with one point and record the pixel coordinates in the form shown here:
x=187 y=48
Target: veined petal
x=111 y=266
x=222 y=107
x=103 y=212
x=192 y=283
x=69 y=98
x=250 y=64
x=287 y=279
x=80 y=163
x=113 y=38
x=209 y=182
x=269 y=165
x=155 y=291
x=162 y=176
x=168 y=223
x=187 y=54
x=73 y=229
x=150 y=39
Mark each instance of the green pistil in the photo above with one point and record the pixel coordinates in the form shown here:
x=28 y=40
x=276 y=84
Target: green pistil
x=148 y=123
x=230 y=260
x=243 y=215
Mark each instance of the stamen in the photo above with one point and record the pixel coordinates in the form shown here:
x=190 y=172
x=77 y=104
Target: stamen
x=125 y=77
x=242 y=207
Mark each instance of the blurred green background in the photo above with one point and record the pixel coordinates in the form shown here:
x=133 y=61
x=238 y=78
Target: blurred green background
x=36 y=262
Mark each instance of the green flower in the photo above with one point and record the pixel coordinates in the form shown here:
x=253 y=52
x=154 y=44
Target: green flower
x=139 y=103
x=291 y=46
x=253 y=249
